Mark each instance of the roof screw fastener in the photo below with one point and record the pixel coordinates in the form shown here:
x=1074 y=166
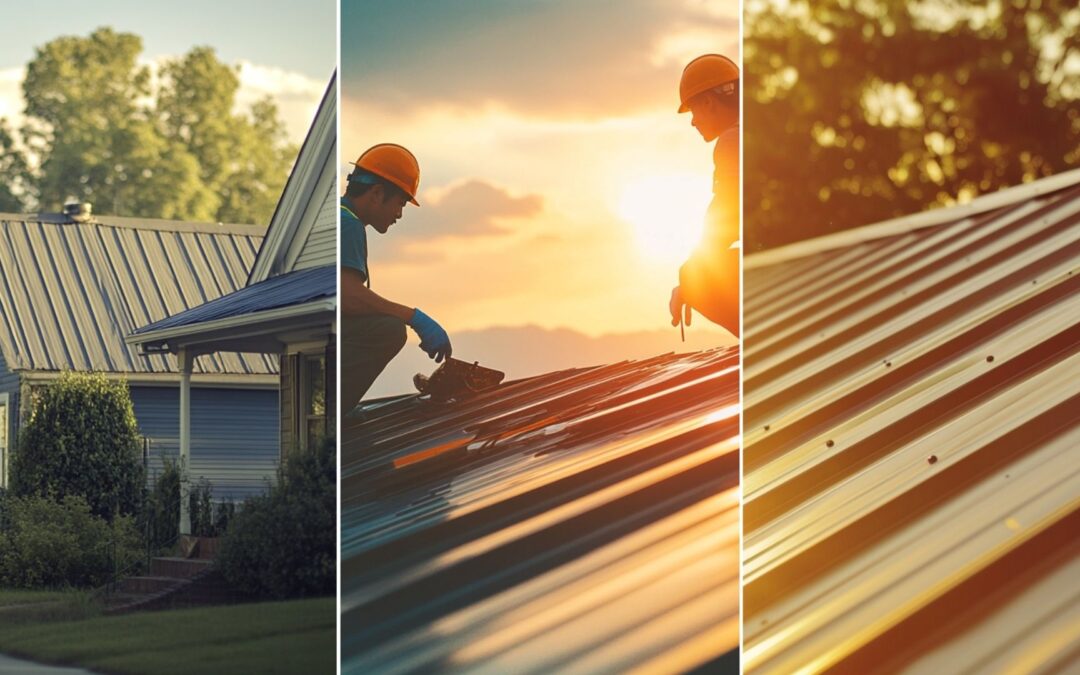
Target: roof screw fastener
x=990 y=359
x=829 y=443
x=932 y=459
x=766 y=427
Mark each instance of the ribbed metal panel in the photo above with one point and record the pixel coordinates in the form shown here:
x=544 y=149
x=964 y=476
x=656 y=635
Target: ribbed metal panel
x=237 y=459
x=71 y=292
x=582 y=521
x=293 y=288
x=912 y=425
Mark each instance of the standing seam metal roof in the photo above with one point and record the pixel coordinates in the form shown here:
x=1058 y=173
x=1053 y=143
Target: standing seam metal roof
x=585 y=520
x=292 y=288
x=912 y=485
x=71 y=292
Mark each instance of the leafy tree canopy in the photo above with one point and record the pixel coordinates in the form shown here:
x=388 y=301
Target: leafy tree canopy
x=104 y=131
x=862 y=110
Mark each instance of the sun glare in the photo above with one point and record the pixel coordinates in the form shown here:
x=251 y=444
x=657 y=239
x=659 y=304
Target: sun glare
x=667 y=213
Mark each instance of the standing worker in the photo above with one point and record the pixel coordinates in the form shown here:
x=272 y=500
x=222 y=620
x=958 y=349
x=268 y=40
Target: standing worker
x=386 y=177
x=709 y=280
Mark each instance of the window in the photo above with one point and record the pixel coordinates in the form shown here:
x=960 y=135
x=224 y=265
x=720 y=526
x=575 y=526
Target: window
x=313 y=400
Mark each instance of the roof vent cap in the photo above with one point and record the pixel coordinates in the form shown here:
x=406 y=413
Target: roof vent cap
x=79 y=212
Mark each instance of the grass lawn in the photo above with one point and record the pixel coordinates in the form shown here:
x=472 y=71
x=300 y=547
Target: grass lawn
x=10 y=597
x=271 y=637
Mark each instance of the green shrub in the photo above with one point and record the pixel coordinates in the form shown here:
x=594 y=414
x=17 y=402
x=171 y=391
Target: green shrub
x=81 y=439
x=283 y=544
x=208 y=518
x=46 y=543
x=161 y=509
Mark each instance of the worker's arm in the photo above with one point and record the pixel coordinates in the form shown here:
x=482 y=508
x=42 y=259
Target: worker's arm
x=358 y=300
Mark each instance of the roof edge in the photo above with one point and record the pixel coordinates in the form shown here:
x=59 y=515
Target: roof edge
x=277 y=236
x=323 y=304
x=915 y=221
x=172 y=378
x=131 y=223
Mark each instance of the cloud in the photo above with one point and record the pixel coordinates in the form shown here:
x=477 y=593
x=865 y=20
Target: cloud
x=583 y=60
x=683 y=45
x=468 y=209
x=297 y=96
x=472 y=208
x=11 y=100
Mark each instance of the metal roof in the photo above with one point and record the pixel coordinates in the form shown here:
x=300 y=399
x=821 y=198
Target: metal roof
x=584 y=520
x=70 y=292
x=912 y=424
x=293 y=288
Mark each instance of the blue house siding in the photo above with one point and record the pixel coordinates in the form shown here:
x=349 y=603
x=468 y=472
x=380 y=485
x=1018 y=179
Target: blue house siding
x=234 y=435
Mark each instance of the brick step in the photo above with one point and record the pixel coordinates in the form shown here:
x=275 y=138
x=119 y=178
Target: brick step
x=209 y=588
x=147 y=584
x=178 y=568
x=119 y=599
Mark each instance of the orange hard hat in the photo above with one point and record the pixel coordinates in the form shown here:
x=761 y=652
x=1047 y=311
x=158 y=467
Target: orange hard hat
x=394 y=163
x=704 y=73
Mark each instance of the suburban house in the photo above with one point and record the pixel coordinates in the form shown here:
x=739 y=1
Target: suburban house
x=71 y=288
x=284 y=313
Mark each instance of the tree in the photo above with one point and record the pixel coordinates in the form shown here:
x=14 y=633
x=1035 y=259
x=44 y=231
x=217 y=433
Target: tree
x=243 y=159
x=104 y=134
x=81 y=440
x=861 y=111
x=14 y=170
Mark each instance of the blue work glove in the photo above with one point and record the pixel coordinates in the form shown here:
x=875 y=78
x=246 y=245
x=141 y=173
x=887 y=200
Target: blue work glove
x=433 y=339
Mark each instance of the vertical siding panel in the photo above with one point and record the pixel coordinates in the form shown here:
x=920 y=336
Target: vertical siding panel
x=234 y=444
x=288 y=402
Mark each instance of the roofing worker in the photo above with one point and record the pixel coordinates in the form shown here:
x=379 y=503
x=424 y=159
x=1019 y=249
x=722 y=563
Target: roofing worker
x=386 y=177
x=709 y=280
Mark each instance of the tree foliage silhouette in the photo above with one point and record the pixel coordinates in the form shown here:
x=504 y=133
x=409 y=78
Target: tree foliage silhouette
x=104 y=130
x=861 y=110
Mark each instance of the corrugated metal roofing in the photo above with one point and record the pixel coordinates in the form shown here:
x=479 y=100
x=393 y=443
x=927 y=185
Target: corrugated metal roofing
x=912 y=425
x=290 y=289
x=71 y=292
x=581 y=521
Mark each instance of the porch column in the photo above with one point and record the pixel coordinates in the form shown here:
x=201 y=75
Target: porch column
x=185 y=360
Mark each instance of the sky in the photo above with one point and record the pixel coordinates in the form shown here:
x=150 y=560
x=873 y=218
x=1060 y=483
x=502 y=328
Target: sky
x=559 y=187
x=285 y=49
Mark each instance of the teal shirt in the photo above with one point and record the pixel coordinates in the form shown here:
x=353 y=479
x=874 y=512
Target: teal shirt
x=353 y=242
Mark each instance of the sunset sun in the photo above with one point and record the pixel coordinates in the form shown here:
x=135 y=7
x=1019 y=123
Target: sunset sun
x=667 y=213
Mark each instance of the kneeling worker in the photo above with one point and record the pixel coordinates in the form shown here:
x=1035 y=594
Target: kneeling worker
x=386 y=177
x=709 y=281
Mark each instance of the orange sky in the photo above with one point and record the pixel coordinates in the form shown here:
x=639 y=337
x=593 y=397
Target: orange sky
x=558 y=183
